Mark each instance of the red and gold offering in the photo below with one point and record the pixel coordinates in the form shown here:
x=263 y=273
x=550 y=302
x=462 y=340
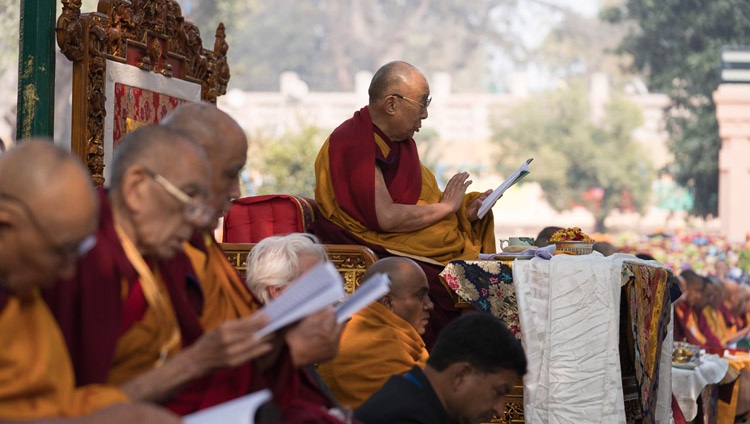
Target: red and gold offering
x=572 y=241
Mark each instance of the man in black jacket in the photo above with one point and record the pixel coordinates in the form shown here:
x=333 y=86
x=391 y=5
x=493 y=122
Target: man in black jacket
x=474 y=364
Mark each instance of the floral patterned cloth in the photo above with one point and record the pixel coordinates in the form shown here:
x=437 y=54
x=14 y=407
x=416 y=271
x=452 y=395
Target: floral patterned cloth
x=487 y=286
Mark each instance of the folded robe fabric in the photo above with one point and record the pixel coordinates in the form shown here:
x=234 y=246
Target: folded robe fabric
x=36 y=376
x=375 y=345
x=225 y=295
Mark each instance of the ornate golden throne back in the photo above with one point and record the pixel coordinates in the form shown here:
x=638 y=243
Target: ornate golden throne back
x=133 y=62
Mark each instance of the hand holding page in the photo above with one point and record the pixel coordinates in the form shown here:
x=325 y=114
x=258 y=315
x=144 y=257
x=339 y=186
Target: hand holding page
x=316 y=289
x=515 y=177
x=238 y=411
x=371 y=290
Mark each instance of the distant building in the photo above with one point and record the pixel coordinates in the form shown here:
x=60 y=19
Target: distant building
x=459 y=122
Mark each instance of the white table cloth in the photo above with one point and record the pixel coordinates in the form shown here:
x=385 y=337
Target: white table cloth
x=571 y=334
x=687 y=385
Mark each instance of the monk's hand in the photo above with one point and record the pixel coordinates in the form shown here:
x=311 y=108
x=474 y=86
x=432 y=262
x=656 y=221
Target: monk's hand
x=314 y=339
x=473 y=209
x=454 y=192
x=127 y=413
x=232 y=343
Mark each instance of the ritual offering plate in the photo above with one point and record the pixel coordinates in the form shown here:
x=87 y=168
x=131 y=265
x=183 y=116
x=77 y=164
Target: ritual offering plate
x=685 y=355
x=572 y=241
x=573 y=247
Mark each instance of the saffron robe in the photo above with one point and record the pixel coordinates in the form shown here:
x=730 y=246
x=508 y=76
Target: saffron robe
x=345 y=194
x=114 y=332
x=224 y=295
x=375 y=345
x=692 y=327
x=36 y=376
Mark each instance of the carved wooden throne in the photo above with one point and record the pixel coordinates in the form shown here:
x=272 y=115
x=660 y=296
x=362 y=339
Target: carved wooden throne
x=133 y=62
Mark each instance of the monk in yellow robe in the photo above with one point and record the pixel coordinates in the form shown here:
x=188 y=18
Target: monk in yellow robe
x=383 y=339
x=372 y=189
x=714 y=293
x=47 y=217
x=125 y=314
x=223 y=295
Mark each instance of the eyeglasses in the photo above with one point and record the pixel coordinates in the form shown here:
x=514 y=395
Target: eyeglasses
x=194 y=209
x=424 y=105
x=66 y=251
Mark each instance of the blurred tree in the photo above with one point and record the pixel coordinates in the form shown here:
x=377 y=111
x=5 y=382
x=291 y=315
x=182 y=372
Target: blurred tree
x=10 y=11
x=676 y=44
x=580 y=45
x=579 y=162
x=327 y=41
x=285 y=164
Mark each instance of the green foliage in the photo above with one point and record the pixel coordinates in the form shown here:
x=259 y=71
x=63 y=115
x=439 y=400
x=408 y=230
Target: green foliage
x=676 y=44
x=327 y=41
x=744 y=261
x=287 y=164
x=577 y=161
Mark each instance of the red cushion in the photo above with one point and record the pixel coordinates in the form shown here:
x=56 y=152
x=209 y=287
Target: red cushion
x=254 y=218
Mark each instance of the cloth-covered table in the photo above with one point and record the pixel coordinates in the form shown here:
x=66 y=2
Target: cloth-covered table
x=688 y=384
x=566 y=311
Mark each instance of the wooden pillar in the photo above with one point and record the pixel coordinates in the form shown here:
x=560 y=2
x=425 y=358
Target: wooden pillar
x=36 y=69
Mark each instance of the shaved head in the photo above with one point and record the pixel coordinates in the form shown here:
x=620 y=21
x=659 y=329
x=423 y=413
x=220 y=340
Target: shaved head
x=409 y=294
x=160 y=186
x=207 y=125
x=49 y=206
x=389 y=78
x=224 y=142
x=399 y=97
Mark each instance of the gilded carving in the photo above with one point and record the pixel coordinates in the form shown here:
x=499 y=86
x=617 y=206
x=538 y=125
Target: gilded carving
x=161 y=40
x=69 y=30
x=221 y=70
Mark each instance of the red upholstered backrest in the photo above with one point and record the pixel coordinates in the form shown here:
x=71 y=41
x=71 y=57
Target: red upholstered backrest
x=254 y=218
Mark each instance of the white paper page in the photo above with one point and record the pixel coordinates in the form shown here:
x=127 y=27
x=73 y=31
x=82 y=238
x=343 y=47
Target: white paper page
x=316 y=289
x=515 y=177
x=371 y=290
x=238 y=411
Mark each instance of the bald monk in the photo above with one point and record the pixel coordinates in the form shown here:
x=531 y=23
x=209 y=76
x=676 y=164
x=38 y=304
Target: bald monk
x=48 y=213
x=372 y=189
x=383 y=339
x=223 y=295
x=125 y=314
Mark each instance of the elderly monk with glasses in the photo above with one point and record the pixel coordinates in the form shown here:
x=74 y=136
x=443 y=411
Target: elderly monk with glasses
x=372 y=189
x=221 y=295
x=125 y=313
x=48 y=214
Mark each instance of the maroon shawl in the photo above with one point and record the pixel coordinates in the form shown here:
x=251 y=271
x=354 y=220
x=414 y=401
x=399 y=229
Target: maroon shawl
x=353 y=154
x=89 y=308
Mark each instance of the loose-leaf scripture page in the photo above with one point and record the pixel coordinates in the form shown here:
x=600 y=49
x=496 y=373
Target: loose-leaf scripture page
x=238 y=411
x=515 y=177
x=314 y=290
